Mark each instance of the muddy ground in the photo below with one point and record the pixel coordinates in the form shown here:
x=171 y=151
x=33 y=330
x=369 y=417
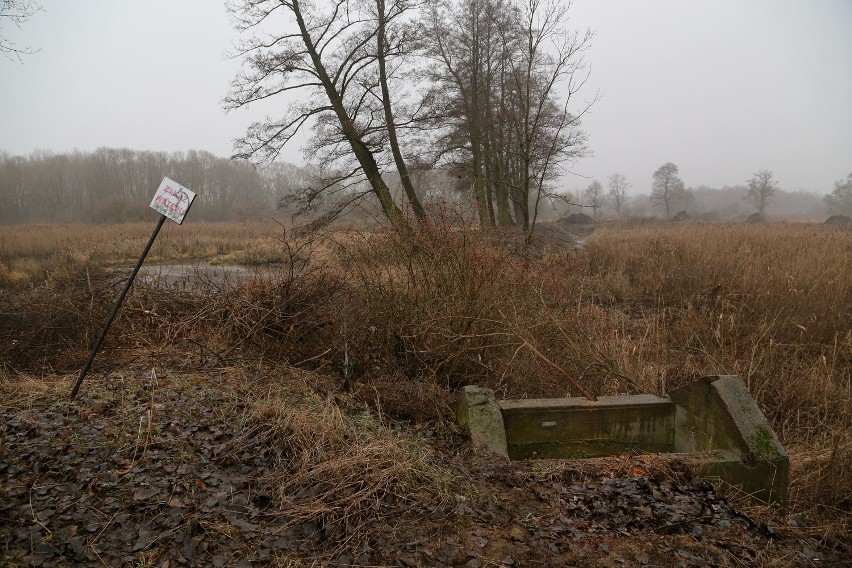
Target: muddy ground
x=158 y=469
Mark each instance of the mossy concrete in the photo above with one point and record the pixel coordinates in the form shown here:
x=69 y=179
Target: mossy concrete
x=713 y=421
x=478 y=411
x=718 y=413
x=581 y=428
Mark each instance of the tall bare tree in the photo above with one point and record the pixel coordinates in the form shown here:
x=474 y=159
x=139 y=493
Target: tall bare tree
x=617 y=194
x=384 y=14
x=330 y=57
x=667 y=187
x=507 y=72
x=547 y=134
x=463 y=42
x=761 y=188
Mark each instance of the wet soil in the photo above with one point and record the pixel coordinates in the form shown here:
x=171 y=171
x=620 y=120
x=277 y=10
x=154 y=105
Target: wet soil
x=145 y=471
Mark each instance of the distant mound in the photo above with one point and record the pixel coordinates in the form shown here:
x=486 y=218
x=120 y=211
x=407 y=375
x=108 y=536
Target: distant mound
x=576 y=219
x=710 y=216
x=547 y=235
x=839 y=221
x=681 y=216
x=756 y=218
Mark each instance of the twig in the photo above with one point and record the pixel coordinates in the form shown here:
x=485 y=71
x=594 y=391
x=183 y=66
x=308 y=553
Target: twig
x=311 y=358
x=538 y=353
x=35 y=517
x=150 y=414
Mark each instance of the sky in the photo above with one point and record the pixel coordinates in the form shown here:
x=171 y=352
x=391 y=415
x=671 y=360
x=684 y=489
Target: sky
x=721 y=88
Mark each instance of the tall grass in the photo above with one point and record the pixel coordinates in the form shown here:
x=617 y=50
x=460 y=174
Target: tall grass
x=771 y=303
x=640 y=309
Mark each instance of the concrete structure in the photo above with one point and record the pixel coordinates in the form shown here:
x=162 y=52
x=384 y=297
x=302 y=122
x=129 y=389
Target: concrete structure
x=713 y=422
x=479 y=413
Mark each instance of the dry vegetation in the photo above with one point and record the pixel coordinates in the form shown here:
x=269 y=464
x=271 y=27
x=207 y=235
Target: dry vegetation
x=770 y=303
x=400 y=323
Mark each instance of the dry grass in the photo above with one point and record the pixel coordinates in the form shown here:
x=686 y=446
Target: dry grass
x=26 y=251
x=771 y=303
x=338 y=466
x=642 y=308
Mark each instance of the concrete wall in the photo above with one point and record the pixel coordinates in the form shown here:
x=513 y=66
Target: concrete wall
x=580 y=428
x=718 y=413
x=714 y=420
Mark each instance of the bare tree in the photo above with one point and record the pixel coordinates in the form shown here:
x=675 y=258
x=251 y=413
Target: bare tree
x=17 y=12
x=506 y=73
x=761 y=188
x=839 y=201
x=667 y=187
x=330 y=58
x=547 y=134
x=385 y=48
x=468 y=41
x=617 y=193
x=593 y=197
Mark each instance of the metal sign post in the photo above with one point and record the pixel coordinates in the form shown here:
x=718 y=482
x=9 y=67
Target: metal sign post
x=172 y=200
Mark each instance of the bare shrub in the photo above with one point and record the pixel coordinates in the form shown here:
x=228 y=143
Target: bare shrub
x=44 y=326
x=450 y=306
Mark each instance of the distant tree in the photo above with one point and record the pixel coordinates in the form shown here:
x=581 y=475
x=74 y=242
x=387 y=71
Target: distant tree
x=16 y=12
x=594 y=197
x=617 y=193
x=115 y=184
x=761 y=188
x=667 y=188
x=839 y=201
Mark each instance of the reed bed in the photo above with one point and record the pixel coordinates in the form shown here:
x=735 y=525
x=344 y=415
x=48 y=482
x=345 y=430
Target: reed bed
x=641 y=308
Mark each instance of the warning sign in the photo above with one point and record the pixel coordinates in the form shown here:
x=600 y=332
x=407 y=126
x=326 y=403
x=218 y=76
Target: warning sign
x=172 y=200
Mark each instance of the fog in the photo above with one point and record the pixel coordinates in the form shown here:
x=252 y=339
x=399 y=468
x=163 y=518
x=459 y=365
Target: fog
x=721 y=88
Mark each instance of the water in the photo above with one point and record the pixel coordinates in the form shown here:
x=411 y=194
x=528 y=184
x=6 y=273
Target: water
x=188 y=276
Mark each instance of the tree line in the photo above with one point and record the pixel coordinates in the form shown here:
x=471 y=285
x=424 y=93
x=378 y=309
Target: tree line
x=117 y=184
x=670 y=197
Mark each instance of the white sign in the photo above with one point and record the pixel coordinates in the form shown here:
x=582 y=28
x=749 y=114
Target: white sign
x=172 y=200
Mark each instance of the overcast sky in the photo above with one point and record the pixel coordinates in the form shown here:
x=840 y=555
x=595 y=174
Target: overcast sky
x=721 y=88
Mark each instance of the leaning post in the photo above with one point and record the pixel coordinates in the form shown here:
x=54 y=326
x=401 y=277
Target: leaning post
x=172 y=201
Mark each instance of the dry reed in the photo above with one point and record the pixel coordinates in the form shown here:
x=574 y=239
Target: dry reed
x=644 y=308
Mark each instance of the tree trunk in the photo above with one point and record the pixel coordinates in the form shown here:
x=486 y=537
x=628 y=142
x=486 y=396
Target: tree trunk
x=401 y=167
x=362 y=153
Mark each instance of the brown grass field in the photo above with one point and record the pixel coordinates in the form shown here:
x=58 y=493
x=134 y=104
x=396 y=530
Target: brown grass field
x=376 y=332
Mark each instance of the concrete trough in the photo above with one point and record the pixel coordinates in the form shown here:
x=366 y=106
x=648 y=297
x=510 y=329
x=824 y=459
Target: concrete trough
x=713 y=423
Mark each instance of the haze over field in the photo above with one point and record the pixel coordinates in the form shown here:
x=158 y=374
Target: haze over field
x=722 y=89
x=541 y=198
